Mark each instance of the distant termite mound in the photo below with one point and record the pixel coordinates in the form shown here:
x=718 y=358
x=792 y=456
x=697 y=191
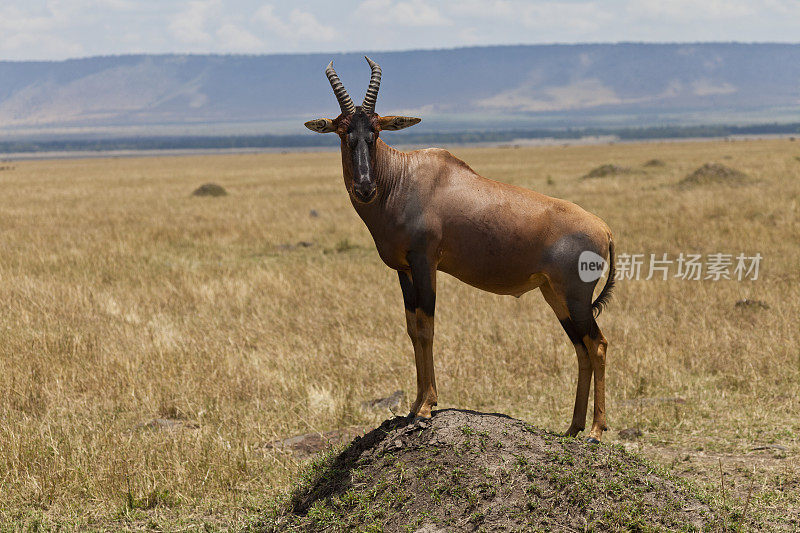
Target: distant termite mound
x=652 y=163
x=713 y=174
x=604 y=171
x=468 y=471
x=210 y=189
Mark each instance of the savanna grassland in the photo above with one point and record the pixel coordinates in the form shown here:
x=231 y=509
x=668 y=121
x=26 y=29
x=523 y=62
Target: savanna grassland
x=125 y=299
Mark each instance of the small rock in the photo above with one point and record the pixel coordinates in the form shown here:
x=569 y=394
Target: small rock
x=771 y=447
x=289 y=246
x=311 y=443
x=398 y=443
x=170 y=424
x=751 y=304
x=313 y=213
x=630 y=434
x=645 y=401
x=393 y=402
x=210 y=189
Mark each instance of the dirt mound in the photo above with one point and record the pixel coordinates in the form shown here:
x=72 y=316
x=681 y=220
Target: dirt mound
x=608 y=170
x=654 y=163
x=713 y=173
x=210 y=189
x=468 y=471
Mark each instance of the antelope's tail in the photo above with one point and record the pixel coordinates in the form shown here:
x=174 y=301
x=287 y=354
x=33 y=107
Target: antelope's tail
x=602 y=299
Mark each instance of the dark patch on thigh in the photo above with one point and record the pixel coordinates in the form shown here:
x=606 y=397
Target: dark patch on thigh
x=585 y=325
x=563 y=259
x=572 y=331
x=426 y=300
x=423 y=284
x=409 y=298
x=594 y=330
x=566 y=251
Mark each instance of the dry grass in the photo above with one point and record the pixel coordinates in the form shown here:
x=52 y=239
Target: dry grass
x=125 y=299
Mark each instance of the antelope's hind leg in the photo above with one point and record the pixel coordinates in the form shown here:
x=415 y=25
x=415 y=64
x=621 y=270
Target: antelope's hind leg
x=597 y=345
x=559 y=306
x=582 y=317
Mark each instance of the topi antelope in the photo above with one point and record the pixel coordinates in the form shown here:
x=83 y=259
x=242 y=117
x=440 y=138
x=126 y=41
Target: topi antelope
x=428 y=211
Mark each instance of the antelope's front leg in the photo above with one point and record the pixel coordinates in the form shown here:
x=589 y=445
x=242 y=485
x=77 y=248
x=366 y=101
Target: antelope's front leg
x=419 y=296
x=410 y=303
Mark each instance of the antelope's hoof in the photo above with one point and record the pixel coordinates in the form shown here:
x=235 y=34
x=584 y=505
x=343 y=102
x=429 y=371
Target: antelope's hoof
x=414 y=417
x=592 y=440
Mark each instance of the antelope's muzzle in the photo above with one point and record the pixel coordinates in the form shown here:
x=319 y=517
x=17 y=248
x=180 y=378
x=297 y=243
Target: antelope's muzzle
x=363 y=184
x=364 y=190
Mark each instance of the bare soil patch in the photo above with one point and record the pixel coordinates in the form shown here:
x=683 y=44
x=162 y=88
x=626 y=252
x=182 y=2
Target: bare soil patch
x=469 y=471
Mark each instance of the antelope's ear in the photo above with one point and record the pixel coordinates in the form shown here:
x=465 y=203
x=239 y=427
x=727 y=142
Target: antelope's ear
x=397 y=123
x=321 y=125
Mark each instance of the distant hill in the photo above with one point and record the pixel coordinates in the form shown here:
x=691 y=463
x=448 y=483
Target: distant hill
x=500 y=87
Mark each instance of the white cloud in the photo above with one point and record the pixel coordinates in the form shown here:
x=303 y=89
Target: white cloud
x=403 y=13
x=190 y=25
x=469 y=35
x=482 y=9
x=691 y=10
x=300 y=25
x=55 y=29
x=572 y=16
x=13 y=19
x=120 y=5
x=308 y=27
x=22 y=32
x=233 y=38
x=20 y=44
x=784 y=7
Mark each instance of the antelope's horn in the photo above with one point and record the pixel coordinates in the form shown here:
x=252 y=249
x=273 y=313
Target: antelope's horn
x=374 y=86
x=338 y=89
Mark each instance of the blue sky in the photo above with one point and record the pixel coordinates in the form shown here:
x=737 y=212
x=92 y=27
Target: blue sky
x=58 y=29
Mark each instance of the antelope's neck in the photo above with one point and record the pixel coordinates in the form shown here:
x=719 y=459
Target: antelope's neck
x=390 y=169
x=385 y=216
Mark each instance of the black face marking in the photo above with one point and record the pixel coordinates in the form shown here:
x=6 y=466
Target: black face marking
x=360 y=138
x=409 y=297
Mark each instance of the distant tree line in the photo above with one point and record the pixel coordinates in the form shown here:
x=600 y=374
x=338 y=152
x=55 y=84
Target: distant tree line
x=312 y=140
